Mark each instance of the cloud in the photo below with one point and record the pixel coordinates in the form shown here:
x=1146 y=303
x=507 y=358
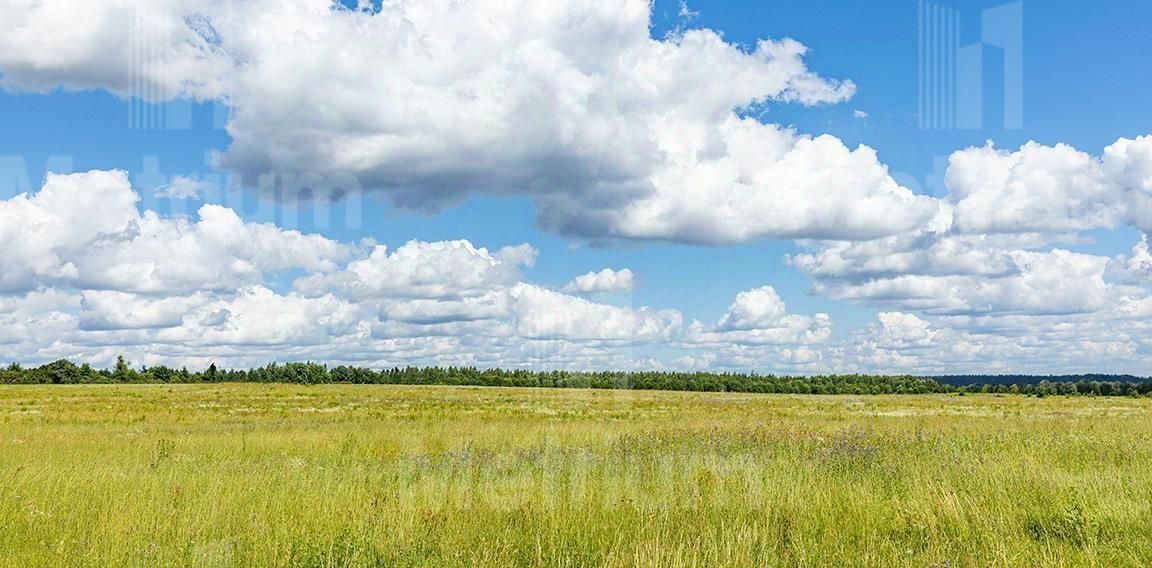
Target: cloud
x=900 y=330
x=998 y=344
x=1034 y=189
x=922 y=253
x=490 y=306
x=217 y=251
x=1054 y=282
x=33 y=321
x=685 y=12
x=615 y=134
x=1135 y=268
x=250 y=317
x=183 y=187
x=746 y=181
x=753 y=309
x=104 y=310
x=759 y=317
x=445 y=270
x=545 y=314
x=41 y=234
x=549 y=97
x=258 y=316
x=85 y=230
x=153 y=50
x=1129 y=163
x=88 y=275
x=605 y=281
x=1040 y=188
x=992 y=247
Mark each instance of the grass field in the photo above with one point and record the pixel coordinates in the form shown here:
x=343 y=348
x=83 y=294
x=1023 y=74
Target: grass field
x=275 y=475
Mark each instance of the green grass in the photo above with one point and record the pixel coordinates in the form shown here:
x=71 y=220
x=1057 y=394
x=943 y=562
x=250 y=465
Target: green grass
x=352 y=475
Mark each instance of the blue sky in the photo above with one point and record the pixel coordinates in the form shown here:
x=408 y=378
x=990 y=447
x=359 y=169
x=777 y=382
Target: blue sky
x=1083 y=86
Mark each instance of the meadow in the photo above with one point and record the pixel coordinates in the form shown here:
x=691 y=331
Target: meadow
x=377 y=475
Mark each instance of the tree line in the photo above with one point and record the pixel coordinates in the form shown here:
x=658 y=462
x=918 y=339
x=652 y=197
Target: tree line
x=67 y=372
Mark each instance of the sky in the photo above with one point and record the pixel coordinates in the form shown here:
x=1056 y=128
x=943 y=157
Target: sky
x=791 y=187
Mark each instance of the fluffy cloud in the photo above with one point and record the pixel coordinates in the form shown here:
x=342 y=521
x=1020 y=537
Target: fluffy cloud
x=218 y=251
x=1054 y=282
x=992 y=247
x=105 y=310
x=443 y=270
x=1135 y=268
x=922 y=253
x=754 y=309
x=33 y=321
x=558 y=94
x=745 y=180
x=1129 y=163
x=989 y=248
x=759 y=317
x=41 y=234
x=1057 y=188
x=616 y=134
x=545 y=314
x=154 y=50
x=77 y=247
x=259 y=316
x=1034 y=189
x=85 y=230
x=183 y=187
x=901 y=330
x=251 y=316
x=996 y=344
x=494 y=305
x=606 y=280
x=88 y=275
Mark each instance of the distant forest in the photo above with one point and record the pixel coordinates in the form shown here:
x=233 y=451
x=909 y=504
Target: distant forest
x=67 y=372
x=961 y=380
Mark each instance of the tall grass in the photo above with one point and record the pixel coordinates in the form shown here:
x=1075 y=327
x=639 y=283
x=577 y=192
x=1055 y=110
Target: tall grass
x=363 y=475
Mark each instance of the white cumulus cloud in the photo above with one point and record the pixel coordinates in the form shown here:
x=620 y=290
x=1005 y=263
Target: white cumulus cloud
x=546 y=314
x=760 y=317
x=614 y=133
x=85 y=230
x=606 y=280
x=446 y=269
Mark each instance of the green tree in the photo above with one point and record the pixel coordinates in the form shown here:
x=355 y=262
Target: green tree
x=123 y=373
x=63 y=372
